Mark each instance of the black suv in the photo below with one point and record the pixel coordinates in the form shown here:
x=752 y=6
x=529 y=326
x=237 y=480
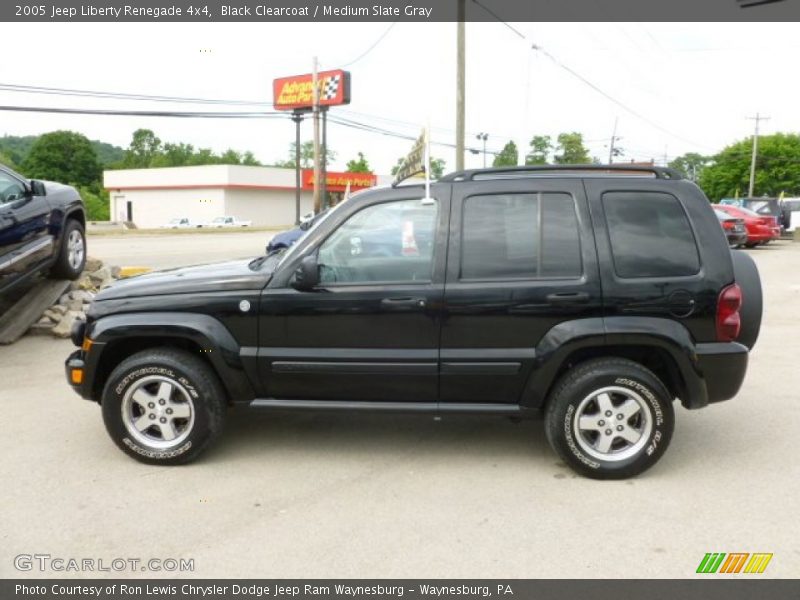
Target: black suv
x=589 y=295
x=41 y=227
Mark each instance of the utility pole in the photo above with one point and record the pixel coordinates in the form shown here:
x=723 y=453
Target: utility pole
x=483 y=137
x=297 y=117
x=613 y=140
x=315 y=100
x=758 y=118
x=460 y=52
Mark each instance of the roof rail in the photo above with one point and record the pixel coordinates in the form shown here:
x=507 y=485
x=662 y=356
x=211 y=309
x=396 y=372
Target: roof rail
x=471 y=174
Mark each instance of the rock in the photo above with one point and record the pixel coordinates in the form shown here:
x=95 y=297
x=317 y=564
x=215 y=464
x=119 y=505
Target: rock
x=46 y=319
x=64 y=327
x=81 y=295
x=75 y=305
x=100 y=275
x=92 y=265
x=106 y=282
x=115 y=271
x=58 y=309
x=41 y=329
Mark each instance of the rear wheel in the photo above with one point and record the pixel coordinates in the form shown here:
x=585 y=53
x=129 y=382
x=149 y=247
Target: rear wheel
x=609 y=418
x=163 y=406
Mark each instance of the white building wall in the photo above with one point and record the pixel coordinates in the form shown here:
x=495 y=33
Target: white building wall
x=153 y=208
x=266 y=208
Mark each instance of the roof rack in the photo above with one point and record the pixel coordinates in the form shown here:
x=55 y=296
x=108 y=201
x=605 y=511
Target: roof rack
x=532 y=170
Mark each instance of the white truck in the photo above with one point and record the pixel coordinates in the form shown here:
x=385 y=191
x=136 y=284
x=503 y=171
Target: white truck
x=228 y=221
x=182 y=223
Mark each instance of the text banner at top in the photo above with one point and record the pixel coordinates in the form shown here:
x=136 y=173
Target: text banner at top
x=403 y=10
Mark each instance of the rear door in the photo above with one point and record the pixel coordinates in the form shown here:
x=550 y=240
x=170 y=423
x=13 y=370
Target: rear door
x=521 y=260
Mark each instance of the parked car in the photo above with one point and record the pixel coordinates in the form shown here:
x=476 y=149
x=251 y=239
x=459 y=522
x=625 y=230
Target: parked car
x=760 y=229
x=592 y=296
x=42 y=227
x=182 y=223
x=228 y=222
x=762 y=206
x=734 y=228
x=284 y=239
x=790 y=208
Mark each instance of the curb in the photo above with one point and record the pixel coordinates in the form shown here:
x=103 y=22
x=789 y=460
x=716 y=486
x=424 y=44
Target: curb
x=125 y=272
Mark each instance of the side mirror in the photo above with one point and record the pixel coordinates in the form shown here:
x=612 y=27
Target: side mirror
x=38 y=188
x=306 y=277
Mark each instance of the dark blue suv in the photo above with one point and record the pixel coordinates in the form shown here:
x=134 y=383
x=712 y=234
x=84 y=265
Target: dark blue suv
x=42 y=226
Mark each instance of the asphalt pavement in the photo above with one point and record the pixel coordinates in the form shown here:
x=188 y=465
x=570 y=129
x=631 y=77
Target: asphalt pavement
x=298 y=495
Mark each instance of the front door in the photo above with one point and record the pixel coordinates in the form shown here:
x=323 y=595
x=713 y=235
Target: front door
x=25 y=238
x=370 y=330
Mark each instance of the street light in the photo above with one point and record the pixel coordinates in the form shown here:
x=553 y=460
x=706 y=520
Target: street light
x=483 y=137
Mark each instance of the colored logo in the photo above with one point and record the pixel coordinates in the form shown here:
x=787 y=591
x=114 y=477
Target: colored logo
x=734 y=562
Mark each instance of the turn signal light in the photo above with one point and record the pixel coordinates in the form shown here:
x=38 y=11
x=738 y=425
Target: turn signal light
x=728 y=320
x=76 y=376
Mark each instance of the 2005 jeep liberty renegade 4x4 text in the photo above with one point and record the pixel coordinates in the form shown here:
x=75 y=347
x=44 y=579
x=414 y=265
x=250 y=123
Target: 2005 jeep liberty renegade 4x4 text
x=593 y=296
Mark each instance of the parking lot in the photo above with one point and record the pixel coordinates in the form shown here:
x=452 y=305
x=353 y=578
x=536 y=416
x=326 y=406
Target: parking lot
x=395 y=496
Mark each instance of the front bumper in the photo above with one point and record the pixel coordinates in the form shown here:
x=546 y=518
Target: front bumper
x=723 y=366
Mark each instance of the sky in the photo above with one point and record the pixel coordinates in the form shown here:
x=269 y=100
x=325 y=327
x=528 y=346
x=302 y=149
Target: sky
x=673 y=87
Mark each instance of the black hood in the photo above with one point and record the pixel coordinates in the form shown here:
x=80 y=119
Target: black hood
x=218 y=277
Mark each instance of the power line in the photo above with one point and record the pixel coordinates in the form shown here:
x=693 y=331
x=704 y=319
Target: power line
x=371 y=48
x=146 y=113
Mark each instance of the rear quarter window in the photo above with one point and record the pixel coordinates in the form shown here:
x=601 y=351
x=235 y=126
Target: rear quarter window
x=650 y=235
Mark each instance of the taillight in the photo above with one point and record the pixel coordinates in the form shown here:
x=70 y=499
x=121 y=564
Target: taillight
x=728 y=224
x=728 y=320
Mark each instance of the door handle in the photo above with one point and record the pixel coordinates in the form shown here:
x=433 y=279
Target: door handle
x=568 y=298
x=402 y=304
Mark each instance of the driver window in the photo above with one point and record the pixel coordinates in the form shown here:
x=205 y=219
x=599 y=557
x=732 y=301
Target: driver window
x=11 y=190
x=389 y=242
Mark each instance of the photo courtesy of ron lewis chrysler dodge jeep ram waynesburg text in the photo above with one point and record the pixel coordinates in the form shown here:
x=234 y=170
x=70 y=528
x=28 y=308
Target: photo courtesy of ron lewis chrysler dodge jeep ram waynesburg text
x=595 y=297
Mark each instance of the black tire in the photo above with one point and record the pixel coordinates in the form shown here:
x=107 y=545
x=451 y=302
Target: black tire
x=575 y=391
x=194 y=385
x=746 y=273
x=66 y=265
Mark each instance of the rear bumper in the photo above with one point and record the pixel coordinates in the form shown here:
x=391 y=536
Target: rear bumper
x=723 y=367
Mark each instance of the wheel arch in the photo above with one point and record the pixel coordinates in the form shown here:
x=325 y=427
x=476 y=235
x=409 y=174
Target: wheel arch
x=661 y=345
x=120 y=336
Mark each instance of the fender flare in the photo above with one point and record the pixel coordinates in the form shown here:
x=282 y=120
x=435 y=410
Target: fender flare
x=218 y=345
x=569 y=337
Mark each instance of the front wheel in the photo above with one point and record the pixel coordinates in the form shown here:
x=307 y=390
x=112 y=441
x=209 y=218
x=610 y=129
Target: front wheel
x=163 y=406
x=610 y=418
x=71 y=256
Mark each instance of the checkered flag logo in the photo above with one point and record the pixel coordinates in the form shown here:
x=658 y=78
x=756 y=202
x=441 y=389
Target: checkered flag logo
x=331 y=87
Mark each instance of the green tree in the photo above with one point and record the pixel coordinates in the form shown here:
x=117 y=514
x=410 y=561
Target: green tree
x=777 y=168
x=96 y=201
x=541 y=147
x=306 y=156
x=570 y=150
x=5 y=159
x=508 y=157
x=690 y=165
x=437 y=167
x=63 y=156
x=143 y=149
x=359 y=166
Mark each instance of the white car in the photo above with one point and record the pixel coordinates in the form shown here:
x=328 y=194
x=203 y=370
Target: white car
x=182 y=223
x=229 y=222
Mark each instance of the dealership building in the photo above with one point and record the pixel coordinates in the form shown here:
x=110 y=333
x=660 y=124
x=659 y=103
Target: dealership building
x=150 y=198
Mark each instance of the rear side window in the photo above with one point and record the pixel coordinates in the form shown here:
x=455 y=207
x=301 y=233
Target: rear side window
x=650 y=235
x=520 y=236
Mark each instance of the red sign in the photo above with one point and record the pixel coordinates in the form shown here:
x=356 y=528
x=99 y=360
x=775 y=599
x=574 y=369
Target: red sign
x=337 y=182
x=297 y=93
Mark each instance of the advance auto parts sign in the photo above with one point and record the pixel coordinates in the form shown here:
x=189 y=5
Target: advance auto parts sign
x=337 y=182
x=297 y=93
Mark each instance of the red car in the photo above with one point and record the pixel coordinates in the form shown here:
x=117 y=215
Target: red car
x=761 y=229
